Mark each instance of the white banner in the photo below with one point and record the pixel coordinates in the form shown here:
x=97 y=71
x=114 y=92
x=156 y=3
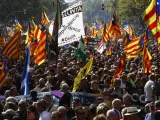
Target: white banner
x=72 y=27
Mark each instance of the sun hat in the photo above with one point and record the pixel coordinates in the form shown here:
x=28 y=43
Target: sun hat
x=132 y=110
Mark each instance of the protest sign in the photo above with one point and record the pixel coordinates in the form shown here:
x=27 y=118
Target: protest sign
x=72 y=27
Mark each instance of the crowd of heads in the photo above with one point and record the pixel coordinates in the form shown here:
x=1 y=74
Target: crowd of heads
x=116 y=102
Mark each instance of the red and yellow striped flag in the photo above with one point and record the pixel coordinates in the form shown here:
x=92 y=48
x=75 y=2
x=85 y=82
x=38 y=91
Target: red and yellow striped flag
x=2 y=42
x=4 y=72
x=30 y=38
x=40 y=52
x=93 y=32
x=133 y=48
x=119 y=70
x=151 y=19
x=115 y=26
x=30 y=34
x=146 y=61
x=13 y=47
x=105 y=36
x=45 y=19
x=37 y=32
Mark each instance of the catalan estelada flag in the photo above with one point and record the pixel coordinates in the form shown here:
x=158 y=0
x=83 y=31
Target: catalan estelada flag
x=16 y=24
x=45 y=19
x=82 y=74
x=4 y=72
x=147 y=67
x=13 y=47
x=151 y=18
x=126 y=39
x=133 y=48
x=128 y=29
x=40 y=52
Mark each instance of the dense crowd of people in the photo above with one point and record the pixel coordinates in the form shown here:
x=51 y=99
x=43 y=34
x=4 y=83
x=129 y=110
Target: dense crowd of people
x=134 y=96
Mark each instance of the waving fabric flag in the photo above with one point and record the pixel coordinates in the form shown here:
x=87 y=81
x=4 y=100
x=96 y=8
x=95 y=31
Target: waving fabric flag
x=40 y=51
x=105 y=36
x=80 y=51
x=151 y=18
x=101 y=47
x=118 y=70
x=4 y=72
x=128 y=29
x=57 y=25
x=115 y=26
x=93 y=32
x=16 y=24
x=108 y=48
x=45 y=19
x=26 y=73
x=82 y=74
x=126 y=40
x=147 y=67
x=2 y=41
x=30 y=32
x=13 y=47
x=133 y=48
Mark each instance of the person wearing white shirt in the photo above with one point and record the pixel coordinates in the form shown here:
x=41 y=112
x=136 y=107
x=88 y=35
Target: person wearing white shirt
x=149 y=89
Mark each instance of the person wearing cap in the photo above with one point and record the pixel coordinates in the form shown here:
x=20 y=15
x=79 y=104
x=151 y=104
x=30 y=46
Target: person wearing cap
x=149 y=89
x=132 y=113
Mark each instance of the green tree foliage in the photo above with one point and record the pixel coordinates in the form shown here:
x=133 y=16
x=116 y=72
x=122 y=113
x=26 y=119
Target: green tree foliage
x=129 y=10
x=33 y=8
x=92 y=11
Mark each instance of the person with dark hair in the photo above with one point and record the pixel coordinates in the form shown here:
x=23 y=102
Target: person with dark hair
x=41 y=109
x=50 y=106
x=92 y=111
x=33 y=95
x=31 y=113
